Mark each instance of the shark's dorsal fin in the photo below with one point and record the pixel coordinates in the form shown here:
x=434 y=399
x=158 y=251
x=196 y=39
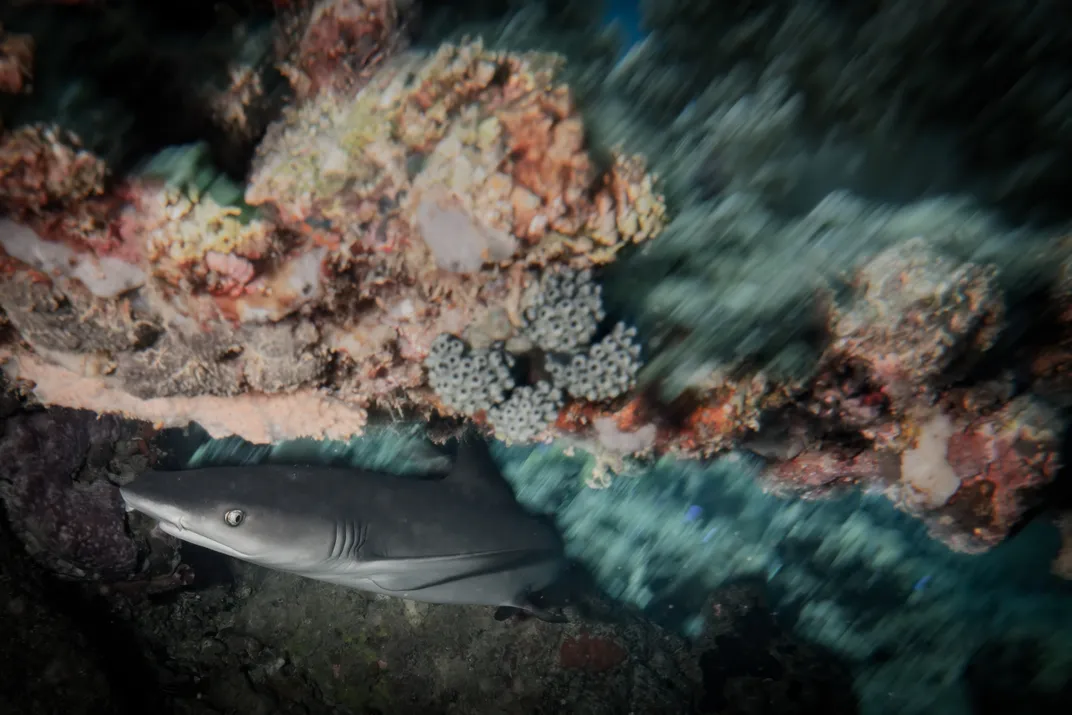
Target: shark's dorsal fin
x=475 y=473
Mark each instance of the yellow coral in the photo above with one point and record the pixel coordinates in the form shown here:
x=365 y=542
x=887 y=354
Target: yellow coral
x=191 y=238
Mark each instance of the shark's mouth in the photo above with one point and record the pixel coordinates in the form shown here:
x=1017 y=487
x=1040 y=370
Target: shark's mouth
x=179 y=531
x=170 y=527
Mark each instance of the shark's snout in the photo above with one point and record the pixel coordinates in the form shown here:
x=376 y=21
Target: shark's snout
x=126 y=500
x=134 y=501
x=131 y=500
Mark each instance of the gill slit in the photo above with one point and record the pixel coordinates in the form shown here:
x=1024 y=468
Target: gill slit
x=347 y=540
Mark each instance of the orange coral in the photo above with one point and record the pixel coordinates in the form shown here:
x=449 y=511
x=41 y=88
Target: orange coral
x=490 y=137
x=551 y=170
x=725 y=414
x=577 y=416
x=414 y=205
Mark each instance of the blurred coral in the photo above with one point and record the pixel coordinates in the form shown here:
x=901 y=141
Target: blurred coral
x=915 y=314
x=1002 y=461
x=16 y=62
x=969 y=461
x=970 y=475
x=1062 y=564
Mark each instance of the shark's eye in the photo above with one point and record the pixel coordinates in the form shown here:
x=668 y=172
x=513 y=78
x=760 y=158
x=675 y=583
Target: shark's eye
x=234 y=517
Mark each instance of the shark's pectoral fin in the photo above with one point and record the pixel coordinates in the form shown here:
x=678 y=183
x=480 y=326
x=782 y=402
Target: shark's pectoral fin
x=415 y=574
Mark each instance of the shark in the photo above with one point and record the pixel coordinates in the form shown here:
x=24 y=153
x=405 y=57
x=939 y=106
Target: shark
x=455 y=537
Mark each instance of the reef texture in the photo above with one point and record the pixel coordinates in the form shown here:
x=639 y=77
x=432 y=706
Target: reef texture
x=428 y=232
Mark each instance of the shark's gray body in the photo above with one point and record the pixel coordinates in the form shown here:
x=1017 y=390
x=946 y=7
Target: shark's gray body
x=459 y=539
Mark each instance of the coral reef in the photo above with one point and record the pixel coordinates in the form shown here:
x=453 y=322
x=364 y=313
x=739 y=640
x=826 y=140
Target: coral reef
x=565 y=312
x=468 y=380
x=368 y=228
x=459 y=233
x=916 y=313
x=527 y=413
x=970 y=473
x=45 y=168
x=608 y=369
x=779 y=294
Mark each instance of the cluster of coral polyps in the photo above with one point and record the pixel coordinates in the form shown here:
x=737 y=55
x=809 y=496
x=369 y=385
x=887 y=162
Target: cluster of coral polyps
x=428 y=201
x=968 y=461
